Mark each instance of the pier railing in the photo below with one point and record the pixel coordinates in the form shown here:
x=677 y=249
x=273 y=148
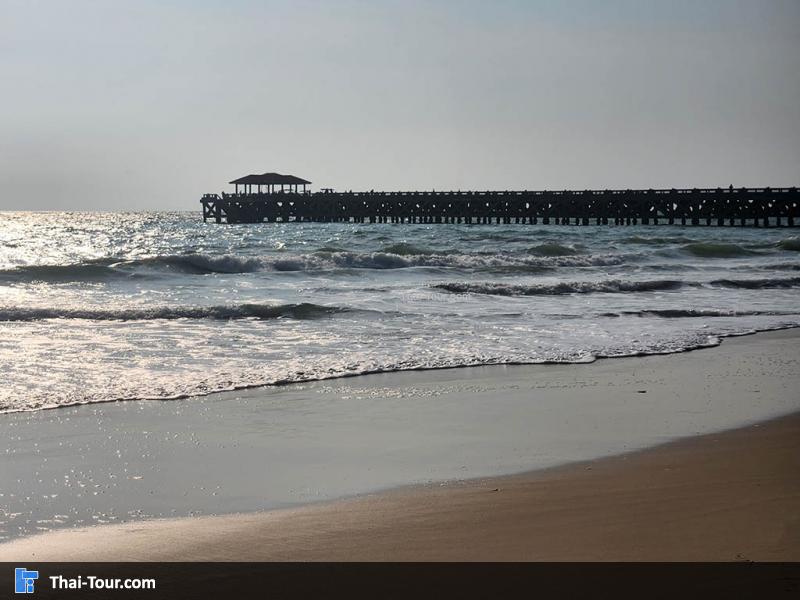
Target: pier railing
x=708 y=206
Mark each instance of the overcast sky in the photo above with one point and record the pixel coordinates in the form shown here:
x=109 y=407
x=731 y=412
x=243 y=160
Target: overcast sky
x=147 y=104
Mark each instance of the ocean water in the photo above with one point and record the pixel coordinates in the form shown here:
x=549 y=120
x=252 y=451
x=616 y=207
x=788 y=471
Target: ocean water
x=98 y=307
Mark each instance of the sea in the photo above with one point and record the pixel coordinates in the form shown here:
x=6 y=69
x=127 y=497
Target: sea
x=99 y=307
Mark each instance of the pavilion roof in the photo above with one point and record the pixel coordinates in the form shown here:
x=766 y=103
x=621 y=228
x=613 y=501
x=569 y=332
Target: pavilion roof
x=270 y=179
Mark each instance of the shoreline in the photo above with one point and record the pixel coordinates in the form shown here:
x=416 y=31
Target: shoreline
x=766 y=370
x=726 y=496
x=281 y=384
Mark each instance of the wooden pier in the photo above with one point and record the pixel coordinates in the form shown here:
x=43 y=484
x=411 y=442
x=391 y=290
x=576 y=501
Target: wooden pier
x=745 y=207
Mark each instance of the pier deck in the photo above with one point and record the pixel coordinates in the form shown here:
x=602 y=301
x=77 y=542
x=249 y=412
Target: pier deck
x=753 y=207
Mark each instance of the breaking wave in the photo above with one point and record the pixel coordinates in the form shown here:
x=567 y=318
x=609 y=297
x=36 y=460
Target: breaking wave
x=757 y=284
x=201 y=264
x=716 y=250
x=389 y=260
x=792 y=244
x=608 y=286
x=783 y=267
x=301 y=311
x=196 y=263
x=405 y=249
x=552 y=249
x=61 y=273
x=99 y=270
x=575 y=287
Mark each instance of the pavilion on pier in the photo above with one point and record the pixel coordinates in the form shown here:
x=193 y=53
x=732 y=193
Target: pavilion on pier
x=269 y=182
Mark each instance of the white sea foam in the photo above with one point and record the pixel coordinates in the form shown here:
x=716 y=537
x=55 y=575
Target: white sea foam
x=143 y=306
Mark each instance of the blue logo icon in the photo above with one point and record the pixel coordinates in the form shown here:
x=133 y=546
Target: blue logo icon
x=23 y=580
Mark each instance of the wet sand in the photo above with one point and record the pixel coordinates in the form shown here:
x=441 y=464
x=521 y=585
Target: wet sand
x=733 y=495
x=729 y=496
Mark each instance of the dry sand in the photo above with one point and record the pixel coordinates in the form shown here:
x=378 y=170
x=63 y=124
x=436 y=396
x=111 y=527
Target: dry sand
x=727 y=496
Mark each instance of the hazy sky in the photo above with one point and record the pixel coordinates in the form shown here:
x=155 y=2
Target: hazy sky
x=147 y=104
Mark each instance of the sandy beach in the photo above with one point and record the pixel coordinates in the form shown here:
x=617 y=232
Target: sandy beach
x=723 y=497
x=730 y=495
